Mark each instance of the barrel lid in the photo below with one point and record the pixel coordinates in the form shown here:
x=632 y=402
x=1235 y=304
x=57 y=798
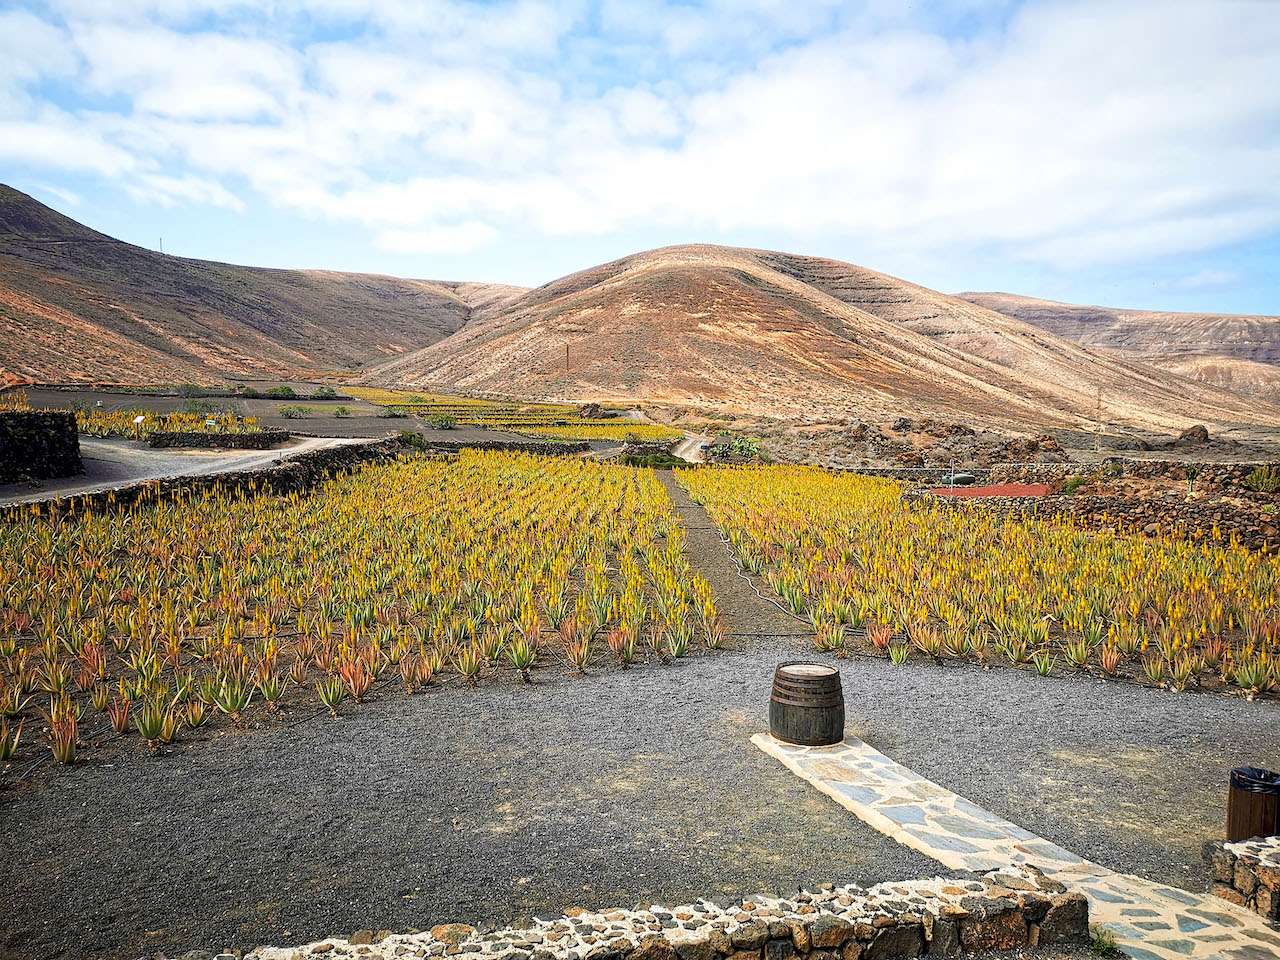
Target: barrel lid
x=807 y=670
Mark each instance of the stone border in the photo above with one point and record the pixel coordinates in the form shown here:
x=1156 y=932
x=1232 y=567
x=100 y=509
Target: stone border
x=255 y=440
x=1248 y=874
x=298 y=472
x=1009 y=909
x=38 y=445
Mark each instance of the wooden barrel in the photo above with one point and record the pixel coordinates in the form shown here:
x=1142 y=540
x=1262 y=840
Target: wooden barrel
x=1253 y=804
x=807 y=705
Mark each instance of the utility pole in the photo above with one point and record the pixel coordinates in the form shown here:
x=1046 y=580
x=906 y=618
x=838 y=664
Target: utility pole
x=162 y=244
x=566 y=358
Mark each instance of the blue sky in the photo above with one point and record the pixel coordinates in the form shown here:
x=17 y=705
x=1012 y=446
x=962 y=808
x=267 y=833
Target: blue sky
x=1125 y=152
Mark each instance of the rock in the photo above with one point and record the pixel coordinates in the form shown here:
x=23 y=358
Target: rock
x=1246 y=881
x=944 y=940
x=992 y=925
x=1067 y=919
x=362 y=937
x=322 y=948
x=780 y=949
x=901 y=424
x=696 y=950
x=800 y=935
x=852 y=951
x=828 y=931
x=721 y=942
x=654 y=947
x=751 y=936
x=903 y=940
x=1193 y=436
x=1034 y=906
x=452 y=932
x=381 y=935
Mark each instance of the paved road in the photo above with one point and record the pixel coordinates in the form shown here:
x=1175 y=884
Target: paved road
x=114 y=463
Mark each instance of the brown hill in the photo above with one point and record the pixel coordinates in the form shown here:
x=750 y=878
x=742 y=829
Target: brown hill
x=789 y=336
x=77 y=305
x=1236 y=352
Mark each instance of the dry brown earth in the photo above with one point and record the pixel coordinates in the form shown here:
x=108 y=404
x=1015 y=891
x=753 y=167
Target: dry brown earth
x=796 y=338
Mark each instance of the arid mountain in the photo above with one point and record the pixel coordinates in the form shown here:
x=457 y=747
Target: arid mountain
x=791 y=336
x=76 y=305
x=1237 y=353
x=748 y=331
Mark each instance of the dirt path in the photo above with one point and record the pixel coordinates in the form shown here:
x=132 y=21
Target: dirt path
x=690 y=448
x=748 y=616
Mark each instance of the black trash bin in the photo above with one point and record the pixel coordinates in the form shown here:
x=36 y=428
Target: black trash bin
x=1253 y=804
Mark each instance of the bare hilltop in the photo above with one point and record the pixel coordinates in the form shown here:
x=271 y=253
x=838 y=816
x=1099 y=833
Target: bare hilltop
x=749 y=332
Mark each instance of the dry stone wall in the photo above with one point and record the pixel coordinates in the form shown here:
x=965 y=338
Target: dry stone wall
x=1254 y=520
x=1208 y=477
x=1248 y=874
x=258 y=440
x=1004 y=910
x=38 y=445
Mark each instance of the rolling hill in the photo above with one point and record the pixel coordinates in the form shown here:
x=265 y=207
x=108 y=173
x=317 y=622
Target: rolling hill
x=79 y=306
x=1236 y=352
x=792 y=337
x=748 y=331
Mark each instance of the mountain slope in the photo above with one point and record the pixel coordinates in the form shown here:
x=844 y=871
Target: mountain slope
x=791 y=336
x=1236 y=352
x=77 y=305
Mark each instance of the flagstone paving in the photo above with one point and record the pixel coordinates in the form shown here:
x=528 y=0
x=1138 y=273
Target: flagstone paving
x=1151 y=921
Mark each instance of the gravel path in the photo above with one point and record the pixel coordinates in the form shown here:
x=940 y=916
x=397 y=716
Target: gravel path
x=490 y=805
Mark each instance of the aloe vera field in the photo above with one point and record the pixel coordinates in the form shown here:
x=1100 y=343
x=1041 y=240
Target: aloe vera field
x=205 y=608
x=873 y=570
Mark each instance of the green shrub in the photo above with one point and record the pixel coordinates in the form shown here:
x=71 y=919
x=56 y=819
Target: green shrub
x=201 y=406
x=282 y=393
x=1104 y=944
x=662 y=461
x=325 y=393
x=1264 y=479
x=443 y=421
x=411 y=438
x=1073 y=484
x=189 y=390
x=250 y=393
x=294 y=412
x=392 y=413
x=342 y=411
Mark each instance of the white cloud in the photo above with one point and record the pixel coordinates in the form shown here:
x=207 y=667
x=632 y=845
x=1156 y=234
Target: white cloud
x=447 y=238
x=1209 y=277
x=1075 y=134
x=167 y=191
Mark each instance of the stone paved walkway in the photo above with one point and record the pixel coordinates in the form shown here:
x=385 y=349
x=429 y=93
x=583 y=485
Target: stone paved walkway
x=1150 y=921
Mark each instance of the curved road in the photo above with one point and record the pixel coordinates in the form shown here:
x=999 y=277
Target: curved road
x=111 y=464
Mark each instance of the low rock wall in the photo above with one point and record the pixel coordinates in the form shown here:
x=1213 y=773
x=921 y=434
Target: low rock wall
x=1247 y=518
x=545 y=448
x=1208 y=477
x=257 y=440
x=300 y=473
x=38 y=445
x=1248 y=874
x=1004 y=910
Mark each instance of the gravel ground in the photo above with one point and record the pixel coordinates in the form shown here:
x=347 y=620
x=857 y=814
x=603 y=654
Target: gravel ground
x=495 y=804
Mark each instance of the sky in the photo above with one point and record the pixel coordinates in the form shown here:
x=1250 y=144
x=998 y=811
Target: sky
x=1123 y=152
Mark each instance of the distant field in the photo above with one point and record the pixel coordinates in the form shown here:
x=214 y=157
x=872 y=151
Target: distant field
x=548 y=421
